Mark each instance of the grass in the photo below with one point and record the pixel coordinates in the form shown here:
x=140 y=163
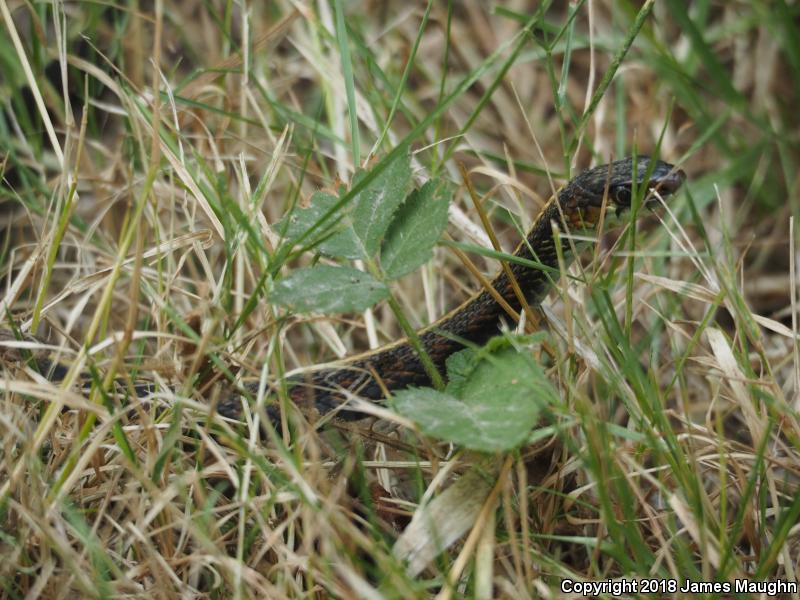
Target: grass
x=137 y=240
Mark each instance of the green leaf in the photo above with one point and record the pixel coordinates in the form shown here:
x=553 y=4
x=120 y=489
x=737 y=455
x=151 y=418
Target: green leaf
x=416 y=228
x=460 y=366
x=342 y=242
x=364 y=220
x=492 y=404
x=328 y=289
x=375 y=205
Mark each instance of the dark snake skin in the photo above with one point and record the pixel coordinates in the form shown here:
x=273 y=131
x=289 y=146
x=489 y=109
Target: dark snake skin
x=576 y=208
x=477 y=320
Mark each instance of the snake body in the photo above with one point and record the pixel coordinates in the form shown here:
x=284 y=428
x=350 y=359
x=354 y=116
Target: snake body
x=599 y=194
x=577 y=207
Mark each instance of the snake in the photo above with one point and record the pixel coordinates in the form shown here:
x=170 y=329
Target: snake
x=596 y=197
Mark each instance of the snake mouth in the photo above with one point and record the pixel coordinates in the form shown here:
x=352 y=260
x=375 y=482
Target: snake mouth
x=668 y=184
x=664 y=187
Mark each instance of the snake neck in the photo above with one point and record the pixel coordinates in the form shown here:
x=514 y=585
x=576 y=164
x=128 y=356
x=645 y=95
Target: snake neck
x=477 y=319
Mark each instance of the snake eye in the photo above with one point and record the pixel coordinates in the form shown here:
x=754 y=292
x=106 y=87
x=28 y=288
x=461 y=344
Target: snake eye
x=622 y=194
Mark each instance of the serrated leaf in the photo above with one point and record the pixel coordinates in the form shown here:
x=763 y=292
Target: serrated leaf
x=416 y=228
x=342 y=242
x=460 y=366
x=363 y=221
x=328 y=289
x=498 y=402
x=375 y=205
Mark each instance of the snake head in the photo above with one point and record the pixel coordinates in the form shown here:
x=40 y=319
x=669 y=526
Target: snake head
x=664 y=179
x=583 y=198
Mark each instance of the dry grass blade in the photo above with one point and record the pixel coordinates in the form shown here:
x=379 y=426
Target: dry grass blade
x=439 y=523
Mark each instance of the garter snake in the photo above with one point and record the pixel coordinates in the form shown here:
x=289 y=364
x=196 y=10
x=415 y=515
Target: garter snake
x=605 y=190
x=598 y=195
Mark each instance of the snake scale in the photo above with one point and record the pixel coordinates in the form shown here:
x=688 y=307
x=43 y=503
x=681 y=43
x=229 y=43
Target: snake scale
x=600 y=194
